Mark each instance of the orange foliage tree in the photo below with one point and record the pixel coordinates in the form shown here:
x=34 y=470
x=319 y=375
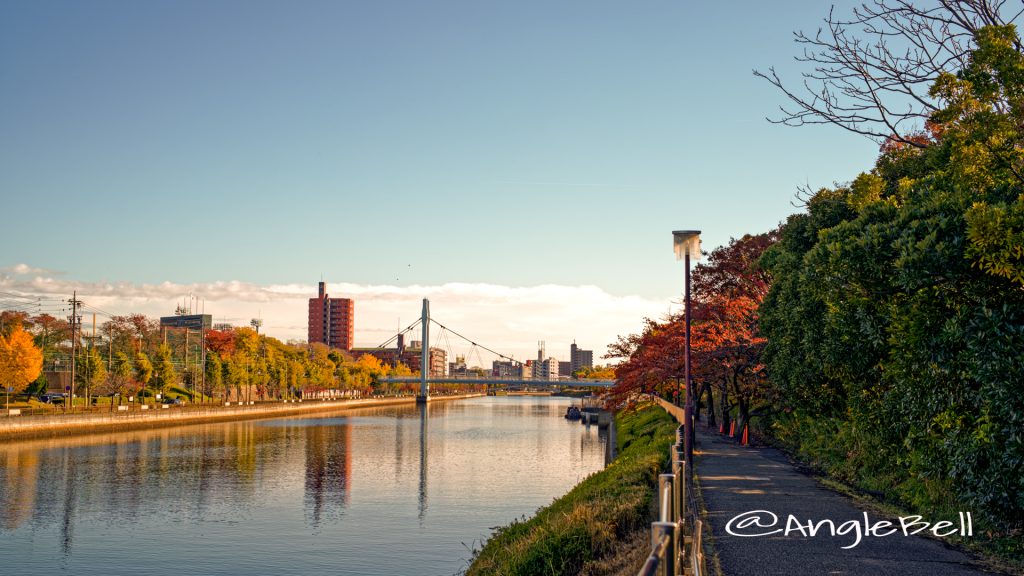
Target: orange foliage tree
x=20 y=360
x=725 y=343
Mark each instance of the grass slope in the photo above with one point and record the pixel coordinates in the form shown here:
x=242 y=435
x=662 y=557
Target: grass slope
x=584 y=531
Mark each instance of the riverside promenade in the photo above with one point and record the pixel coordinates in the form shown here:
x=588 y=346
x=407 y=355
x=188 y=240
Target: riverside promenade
x=755 y=490
x=69 y=424
x=738 y=479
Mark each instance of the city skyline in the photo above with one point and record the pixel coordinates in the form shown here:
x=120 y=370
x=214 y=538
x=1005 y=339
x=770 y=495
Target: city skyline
x=507 y=319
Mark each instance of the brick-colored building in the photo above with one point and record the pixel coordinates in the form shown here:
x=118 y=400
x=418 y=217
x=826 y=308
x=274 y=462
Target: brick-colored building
x=410 y=356
x=331 y=320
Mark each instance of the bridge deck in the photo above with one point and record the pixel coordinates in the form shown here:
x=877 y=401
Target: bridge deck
x=506 y=381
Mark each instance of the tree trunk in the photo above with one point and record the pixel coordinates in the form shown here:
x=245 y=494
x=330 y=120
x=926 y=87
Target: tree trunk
x=711 y=406
x=724 y=402
x=743 y=418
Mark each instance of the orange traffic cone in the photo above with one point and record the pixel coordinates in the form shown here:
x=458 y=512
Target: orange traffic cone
x=721 y=428
x=746 y=436
x=732 y=428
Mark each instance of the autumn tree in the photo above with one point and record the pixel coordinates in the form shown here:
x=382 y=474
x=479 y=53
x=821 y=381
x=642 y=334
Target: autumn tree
x=120 y=377
x=729 y=289
x=163 y=369
x=11 y=320
x=49 y=332
x=598 y=372
x=236 y=374
x=220 y=341
x=21 y=361
x=142 y=369
x=91 y=371
x=725 y=340
x=651 y=360
x=214 y=375
x=296 y=377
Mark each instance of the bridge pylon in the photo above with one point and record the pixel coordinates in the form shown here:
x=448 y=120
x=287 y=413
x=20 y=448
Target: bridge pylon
x=424 y=396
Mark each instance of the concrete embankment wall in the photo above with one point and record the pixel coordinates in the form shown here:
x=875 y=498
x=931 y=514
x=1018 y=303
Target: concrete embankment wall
x=20 y=427
x=677 y=412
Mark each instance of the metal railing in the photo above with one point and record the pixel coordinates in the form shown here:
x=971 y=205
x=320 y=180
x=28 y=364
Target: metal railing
x=676 y=543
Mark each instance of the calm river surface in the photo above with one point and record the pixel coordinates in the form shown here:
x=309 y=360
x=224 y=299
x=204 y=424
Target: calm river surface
x=394 y=490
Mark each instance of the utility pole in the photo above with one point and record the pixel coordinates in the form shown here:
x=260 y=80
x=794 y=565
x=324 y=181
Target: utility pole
x=202 y=369
x=75 y=303
x=191 y=374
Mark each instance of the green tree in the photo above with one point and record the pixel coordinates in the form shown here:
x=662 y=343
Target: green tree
x=896 y=322
x=121 y=374
x=163 y=369
x=91 y=371
x=38 y=386
x=237 y=374
x=142 y=370
x=214 y=375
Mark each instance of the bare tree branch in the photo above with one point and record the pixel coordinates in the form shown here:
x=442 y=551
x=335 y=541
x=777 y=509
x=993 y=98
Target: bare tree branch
x=871 y=73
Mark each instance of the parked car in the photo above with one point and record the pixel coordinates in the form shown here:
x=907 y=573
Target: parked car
x=55 y=398
x=173 y=401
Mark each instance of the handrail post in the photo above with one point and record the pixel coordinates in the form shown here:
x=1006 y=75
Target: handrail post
x=683 y=496
x=666 y=498
x=696 y=551
x=677 y=470
x=659 y=531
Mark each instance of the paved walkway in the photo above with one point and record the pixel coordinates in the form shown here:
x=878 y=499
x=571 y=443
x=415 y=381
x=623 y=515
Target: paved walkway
x=736 y=479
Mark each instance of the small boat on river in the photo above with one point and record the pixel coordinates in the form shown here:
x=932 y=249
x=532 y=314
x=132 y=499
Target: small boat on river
x=573 y=413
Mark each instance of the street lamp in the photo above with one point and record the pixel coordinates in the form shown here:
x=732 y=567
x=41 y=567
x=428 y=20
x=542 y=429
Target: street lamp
x=686 y=244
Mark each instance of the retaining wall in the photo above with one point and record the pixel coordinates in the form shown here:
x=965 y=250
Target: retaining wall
x=14 y=427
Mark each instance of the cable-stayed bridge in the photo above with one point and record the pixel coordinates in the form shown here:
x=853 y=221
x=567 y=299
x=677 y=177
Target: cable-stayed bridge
x=426 y=379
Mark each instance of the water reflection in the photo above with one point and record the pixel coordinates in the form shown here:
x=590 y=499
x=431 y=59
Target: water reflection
x=328 y=469
x=291 y=495
x=424 y=410
x=21 y=470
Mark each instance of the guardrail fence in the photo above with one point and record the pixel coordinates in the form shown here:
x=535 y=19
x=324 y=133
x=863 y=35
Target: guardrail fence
x=676 y=544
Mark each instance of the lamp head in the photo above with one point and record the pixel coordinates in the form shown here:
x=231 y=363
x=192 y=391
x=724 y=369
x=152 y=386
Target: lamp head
x=686 y=242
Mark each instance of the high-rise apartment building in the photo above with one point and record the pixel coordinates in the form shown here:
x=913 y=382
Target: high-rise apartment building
x=331 y=320
x=579 y=358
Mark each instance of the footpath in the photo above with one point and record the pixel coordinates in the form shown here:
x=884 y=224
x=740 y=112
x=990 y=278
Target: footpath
x=735 y=481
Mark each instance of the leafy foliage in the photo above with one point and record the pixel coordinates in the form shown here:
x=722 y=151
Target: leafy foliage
x=896 y=320
x=726 y=343
x=21 y=361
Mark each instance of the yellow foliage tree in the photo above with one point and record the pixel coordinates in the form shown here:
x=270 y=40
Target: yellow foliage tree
x=20 y=360
x=370 y=364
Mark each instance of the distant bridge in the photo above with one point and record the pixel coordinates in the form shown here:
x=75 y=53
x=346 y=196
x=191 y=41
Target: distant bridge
x=425 y=379
x=495 y=380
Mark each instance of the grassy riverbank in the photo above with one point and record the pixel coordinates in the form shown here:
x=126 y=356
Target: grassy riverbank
x=600 y=527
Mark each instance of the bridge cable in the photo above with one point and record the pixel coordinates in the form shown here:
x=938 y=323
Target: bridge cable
x=498 y=354
x=395 y=337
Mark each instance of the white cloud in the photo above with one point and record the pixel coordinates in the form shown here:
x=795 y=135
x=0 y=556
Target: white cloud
x=508 y=319
x=26 y=270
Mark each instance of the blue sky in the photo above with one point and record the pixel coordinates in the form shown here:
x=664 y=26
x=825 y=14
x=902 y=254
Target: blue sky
x=405 y=143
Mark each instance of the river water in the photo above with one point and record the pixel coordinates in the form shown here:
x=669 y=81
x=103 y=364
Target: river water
x=393 y=490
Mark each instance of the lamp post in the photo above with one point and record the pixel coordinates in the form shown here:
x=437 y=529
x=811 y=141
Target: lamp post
x=686 y=244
